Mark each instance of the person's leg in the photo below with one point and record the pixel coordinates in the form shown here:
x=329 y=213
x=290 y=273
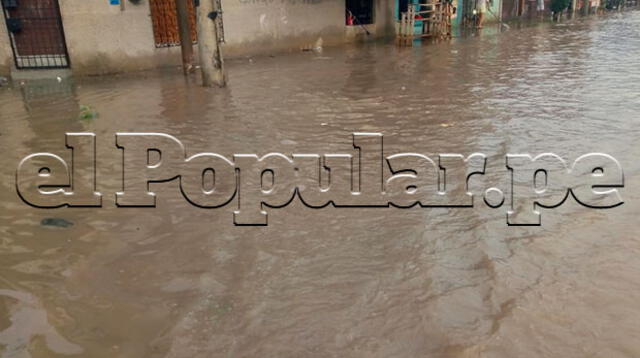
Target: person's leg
x=480 y=18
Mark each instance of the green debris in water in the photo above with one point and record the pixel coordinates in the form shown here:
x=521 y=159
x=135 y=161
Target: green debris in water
x=87 y=113
x=56 y=222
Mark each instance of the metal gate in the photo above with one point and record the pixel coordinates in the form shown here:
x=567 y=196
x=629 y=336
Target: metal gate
x=36 y=33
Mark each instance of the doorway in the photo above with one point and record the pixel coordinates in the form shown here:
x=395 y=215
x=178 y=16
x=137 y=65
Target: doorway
x=36 y=33
x=359 y=12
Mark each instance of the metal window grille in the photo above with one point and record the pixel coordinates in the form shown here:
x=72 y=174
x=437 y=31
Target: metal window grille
x=36 y=33
x=165 y=22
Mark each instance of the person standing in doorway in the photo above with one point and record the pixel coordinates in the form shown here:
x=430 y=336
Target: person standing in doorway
x=481 y=8
x=540 y=8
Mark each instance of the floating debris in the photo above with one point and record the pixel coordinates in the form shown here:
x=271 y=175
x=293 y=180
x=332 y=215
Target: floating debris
x=316 y=47
x=57 y=222
x=86 y=112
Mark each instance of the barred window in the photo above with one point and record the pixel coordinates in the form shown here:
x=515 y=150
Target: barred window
x=165 y=22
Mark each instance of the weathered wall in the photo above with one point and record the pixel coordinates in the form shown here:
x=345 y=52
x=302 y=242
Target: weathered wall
x=6 y=56
x=103 y=39
x=385 y=17
x=257 y=26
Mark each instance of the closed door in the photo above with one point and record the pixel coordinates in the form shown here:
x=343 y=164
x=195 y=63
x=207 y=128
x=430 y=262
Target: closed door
x=36 y=33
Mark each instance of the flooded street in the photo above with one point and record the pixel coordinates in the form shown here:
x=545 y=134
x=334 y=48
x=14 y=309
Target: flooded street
x=180 y=281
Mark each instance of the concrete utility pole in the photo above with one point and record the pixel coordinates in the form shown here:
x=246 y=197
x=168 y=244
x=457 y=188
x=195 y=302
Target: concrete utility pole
x=211 y=61
x=184 y=30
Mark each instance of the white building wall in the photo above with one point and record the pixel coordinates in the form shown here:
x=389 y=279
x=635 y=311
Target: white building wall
x=103 y=38
x=6 y=56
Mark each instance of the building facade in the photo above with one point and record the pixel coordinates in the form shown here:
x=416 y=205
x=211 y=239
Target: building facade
x=515 y=9
x=93 y=37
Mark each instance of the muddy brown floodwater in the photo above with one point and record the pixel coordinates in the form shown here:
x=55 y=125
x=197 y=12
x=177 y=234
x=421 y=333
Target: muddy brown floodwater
x=179 y=281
